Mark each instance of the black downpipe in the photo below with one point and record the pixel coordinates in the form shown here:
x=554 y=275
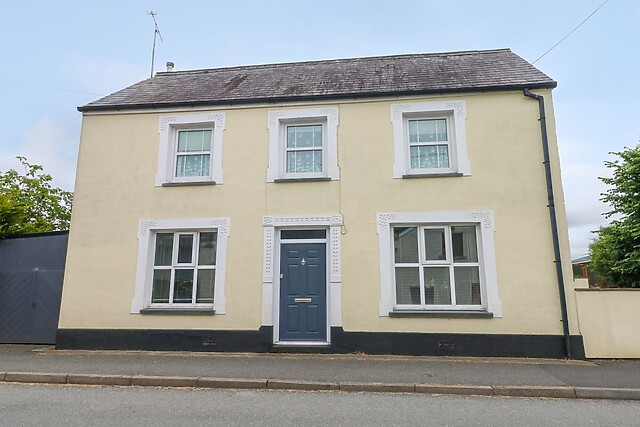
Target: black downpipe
x=554 y=223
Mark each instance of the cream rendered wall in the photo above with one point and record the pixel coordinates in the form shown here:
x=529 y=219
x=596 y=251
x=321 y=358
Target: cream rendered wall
x=115 y=188
x=609 y=320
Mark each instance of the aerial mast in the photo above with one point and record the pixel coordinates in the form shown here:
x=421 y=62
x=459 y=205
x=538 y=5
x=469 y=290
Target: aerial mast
x=156 y=32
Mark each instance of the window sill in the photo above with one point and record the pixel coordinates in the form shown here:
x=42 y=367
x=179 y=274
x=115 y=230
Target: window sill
x=183 y=184
x=432 y=175
x=441 y=313
x=309 y=179
x=185 y=311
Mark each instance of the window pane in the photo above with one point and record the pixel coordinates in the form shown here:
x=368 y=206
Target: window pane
x=443 y=156
x=436 y=286
x=427 y=131
x=304 y=136
x=291 y=136
x=194 y=140
x=463 y=242
x=182 y=142
x=164 y=249
x=161 y=282
x=405 y=244
x=317 y=135
x=206 y=140
x=183 y=286
x=304 y=161
x=407 y=285
x=441 y=130
x=291 y=162
x=206 y=284
x=467 y=281
x=303 y=234
x=185 y=248
x=434 y=244
x=413 y=131
x=193 y=165
x=207 y=249
x=429 y=156
x=317 y=161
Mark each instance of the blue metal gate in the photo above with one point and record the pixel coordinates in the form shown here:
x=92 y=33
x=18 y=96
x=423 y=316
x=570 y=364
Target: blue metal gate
x=31 y=274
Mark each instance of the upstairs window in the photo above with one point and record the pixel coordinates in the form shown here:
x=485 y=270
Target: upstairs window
x=429 y=146
x=193 y=153
x=303 y=145
x=303 y=149
x=429 y=139
x=190 y=149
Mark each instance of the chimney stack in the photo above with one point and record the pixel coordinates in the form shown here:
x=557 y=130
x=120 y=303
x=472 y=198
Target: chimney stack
x=170 y=66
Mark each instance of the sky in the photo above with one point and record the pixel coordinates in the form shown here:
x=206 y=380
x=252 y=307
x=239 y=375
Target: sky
x=56 y=56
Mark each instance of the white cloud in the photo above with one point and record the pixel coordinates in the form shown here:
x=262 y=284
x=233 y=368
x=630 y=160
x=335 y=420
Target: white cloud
x=581 y=167
x=580 y=238
x=49 y=144
x=584 y=215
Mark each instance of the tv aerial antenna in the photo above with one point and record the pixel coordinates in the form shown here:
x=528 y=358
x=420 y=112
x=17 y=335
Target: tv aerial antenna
x=156 y=33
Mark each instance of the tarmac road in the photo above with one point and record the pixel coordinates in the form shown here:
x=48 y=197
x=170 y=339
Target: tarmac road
x=37 y=405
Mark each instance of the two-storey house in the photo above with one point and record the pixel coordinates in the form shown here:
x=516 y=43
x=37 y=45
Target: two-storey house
x=394 y=204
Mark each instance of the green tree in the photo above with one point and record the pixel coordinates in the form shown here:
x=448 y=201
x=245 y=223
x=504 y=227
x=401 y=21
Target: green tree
x=615 y=254
x=30 y=204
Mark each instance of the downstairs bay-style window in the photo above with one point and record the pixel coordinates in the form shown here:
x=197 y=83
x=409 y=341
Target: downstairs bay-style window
x=437 y=266
x=439 y=263
x=181 y=266
x=184 y=268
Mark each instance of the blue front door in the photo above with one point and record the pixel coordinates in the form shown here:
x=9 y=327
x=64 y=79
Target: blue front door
x=303 y=292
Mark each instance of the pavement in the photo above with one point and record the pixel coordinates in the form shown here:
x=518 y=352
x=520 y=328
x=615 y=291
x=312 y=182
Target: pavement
x=593 y=379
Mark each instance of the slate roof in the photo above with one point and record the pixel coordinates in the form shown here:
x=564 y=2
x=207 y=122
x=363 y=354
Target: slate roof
x=412 y=74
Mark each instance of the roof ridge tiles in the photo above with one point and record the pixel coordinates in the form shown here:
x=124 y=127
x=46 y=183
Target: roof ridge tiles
x=334 y=60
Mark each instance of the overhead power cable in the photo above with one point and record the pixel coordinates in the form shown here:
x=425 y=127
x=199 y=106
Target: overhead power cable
x=52 y=88
x=571 y=32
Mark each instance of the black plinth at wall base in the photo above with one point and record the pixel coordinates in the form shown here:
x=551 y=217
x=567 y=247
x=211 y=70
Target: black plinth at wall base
x=260 y=341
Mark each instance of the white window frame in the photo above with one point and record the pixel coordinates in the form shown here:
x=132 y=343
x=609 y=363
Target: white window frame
x=169 y=128
x=147 y=230
x=277 y=122
x=483 y=220
x=455 y=112
x=177 y=265
x=423 y=263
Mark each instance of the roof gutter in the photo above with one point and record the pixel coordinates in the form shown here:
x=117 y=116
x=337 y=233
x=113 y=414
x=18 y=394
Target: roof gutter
x=553 y=218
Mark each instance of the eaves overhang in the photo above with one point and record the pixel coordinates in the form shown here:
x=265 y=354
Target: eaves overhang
x=311 y=98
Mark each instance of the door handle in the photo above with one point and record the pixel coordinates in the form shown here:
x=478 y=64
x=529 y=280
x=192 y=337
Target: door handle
x=302 y=300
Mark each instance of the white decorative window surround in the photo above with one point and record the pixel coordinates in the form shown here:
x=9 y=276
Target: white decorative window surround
x=429 y=139
x=311 y=155
x=270 y=266
x=148 y=262
x=433 y=225
x=175 y=151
